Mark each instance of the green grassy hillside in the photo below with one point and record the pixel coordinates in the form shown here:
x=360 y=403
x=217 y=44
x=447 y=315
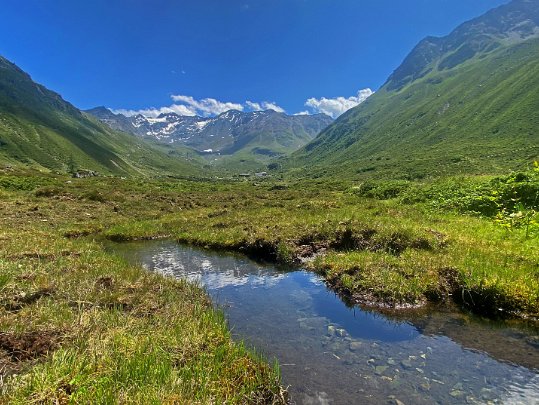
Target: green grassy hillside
x=39 y=129
x=258 y=149
x=478 y=114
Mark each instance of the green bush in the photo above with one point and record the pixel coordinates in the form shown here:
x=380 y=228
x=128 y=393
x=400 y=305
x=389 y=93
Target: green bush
x=94 y=195
x=48 y=191
x=488 y=198
x=382 y=190
x=24 y=183
x=13 y=183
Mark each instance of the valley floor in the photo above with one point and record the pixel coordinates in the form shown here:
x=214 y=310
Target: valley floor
x=78 y=323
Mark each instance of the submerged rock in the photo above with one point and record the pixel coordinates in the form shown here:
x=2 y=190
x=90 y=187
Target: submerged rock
x=380 y=369
x=406 y=364
x=355 y=346
x=341 y=332
x=425 y=386
x=331 y=330
x=314 y=323
x=456 y=393
x=458 y=386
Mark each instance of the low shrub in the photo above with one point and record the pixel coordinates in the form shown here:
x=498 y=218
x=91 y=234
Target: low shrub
x=49 y=191
x=382 y=190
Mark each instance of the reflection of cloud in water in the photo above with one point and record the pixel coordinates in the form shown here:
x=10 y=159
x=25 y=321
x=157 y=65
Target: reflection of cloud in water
x=213 y=273
x=318 y=398
x=290 y=322
x=215 y=281
x=314 y=279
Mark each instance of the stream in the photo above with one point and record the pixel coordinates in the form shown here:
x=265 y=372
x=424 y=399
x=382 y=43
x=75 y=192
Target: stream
x=331 y=352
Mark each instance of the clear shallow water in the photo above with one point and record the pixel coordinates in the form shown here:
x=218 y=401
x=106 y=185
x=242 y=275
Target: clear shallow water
x=331 y=353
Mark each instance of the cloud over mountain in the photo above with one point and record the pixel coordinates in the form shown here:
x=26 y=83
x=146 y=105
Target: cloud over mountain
x=334 y=107
x=186 y=105
x=206 y=107
x=264 y=105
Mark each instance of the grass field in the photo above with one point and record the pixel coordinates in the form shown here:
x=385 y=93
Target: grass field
x=79 y=325
x=397 y=244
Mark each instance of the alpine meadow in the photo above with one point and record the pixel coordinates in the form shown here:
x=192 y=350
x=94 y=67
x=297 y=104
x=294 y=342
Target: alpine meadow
x=372 y=249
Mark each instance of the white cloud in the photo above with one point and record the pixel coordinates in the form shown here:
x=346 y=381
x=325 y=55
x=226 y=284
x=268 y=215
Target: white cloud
x=206 y=106
x=272 y=106
x=338 y=105
x=187 y=105
x=264 y=105
x=154 y=112
x=254 y=106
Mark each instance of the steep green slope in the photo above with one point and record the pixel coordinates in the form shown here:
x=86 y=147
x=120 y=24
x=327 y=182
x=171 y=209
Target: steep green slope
x=257 y=145
x=466 y=103
x=39 y=129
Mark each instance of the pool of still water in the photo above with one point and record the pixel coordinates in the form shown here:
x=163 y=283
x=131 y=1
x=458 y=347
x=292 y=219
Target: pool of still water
x=334 y=353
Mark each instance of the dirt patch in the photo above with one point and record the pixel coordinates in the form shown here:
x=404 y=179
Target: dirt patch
x=421 y=244
x=127 y=238
x=77 y=234
x=116 y=305
x=44 y=256
x=305 y=251
x=105 y=283
x=29 y=345
x=450 y=280
x=26 y=277
x=450 y=284
x=261 y=249
x=22 y=300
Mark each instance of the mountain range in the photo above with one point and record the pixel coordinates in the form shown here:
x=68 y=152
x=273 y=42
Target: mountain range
x=255 y=136
x=39 y=129
x=464 y=103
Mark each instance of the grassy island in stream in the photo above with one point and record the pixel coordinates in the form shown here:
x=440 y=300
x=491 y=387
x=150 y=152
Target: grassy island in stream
x=78 y=323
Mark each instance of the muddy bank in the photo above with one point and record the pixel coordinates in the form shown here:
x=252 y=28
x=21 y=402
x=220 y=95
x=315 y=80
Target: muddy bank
x=18 y=351
x=449 y=286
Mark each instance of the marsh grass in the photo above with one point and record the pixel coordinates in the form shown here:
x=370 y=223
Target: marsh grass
x=125 y=335
x=118 y=334
x=408 y=243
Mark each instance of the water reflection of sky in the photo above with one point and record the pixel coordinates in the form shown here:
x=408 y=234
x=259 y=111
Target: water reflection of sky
x=214 y=274
x=289 y=315
x=360 y=324
x=220 y=272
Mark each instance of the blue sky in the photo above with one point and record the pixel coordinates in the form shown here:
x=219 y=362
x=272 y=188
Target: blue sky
x=215 y=54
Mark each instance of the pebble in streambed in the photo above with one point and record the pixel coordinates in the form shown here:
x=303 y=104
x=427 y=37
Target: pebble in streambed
x=384 y=370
